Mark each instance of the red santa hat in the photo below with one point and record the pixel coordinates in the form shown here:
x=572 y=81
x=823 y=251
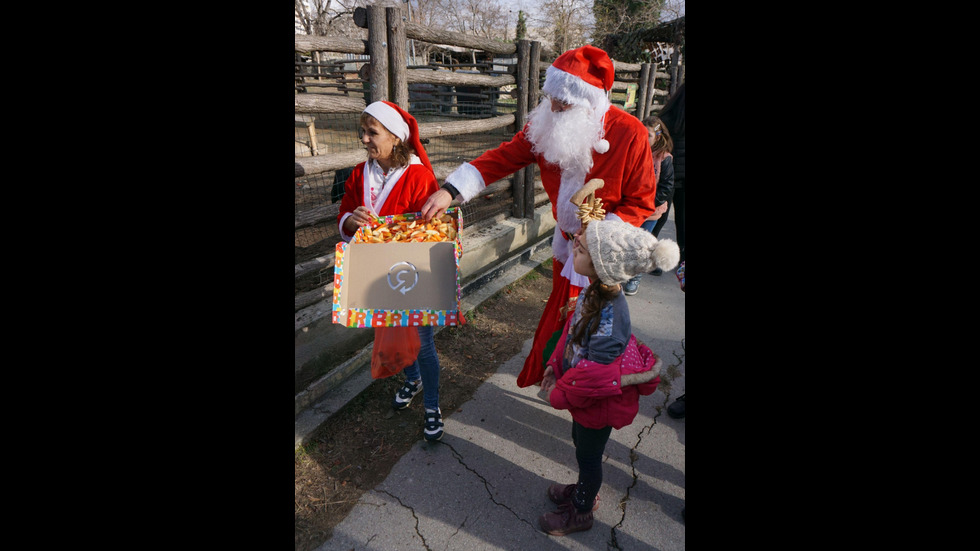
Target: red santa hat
x=401 y=124
x=582 y=76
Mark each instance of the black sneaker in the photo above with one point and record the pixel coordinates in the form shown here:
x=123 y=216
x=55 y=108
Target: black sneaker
x=433 y=425
x=676 y=410
x=405 y=394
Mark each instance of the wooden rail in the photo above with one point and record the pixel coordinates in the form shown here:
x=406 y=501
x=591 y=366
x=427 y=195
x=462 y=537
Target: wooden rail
x=388 y=32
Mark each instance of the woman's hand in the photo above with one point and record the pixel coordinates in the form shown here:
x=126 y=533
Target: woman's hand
x=361 y=216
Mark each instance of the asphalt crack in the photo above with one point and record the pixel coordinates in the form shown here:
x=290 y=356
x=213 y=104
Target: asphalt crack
x=613 y=543
x=486 y=484
x=412 y=510
x=458 y=528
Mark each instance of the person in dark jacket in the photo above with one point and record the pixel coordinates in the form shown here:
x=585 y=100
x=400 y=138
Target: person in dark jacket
x=673 y=117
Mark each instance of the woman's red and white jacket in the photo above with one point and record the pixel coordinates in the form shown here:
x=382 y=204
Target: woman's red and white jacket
x=600 y=395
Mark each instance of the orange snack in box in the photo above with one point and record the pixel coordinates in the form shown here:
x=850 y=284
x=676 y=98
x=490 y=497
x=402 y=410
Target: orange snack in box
x=404 y=231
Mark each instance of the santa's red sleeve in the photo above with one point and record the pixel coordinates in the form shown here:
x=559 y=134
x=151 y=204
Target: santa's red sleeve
x=471 y=178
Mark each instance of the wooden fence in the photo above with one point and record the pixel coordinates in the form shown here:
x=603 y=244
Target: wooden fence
x=389 y=79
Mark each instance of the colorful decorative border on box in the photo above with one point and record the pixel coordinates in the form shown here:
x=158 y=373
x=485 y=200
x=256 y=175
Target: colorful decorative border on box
x=366 y=317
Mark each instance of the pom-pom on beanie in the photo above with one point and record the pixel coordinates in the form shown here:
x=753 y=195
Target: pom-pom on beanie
x=620 y=251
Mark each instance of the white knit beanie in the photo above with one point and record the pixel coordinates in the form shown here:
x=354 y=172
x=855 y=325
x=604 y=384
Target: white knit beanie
x=620 y=251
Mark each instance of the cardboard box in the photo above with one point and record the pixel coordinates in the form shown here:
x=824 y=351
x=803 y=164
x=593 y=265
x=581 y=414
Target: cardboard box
x=398 y=284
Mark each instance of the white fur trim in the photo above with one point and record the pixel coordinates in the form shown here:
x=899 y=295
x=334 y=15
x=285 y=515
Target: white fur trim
x=343 y=234
x=561 y=249
x=571 y=182
x=389 y=118
x=572 y=89
x=467 y=180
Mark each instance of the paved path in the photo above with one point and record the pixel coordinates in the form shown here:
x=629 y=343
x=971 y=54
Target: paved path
x=483 y=486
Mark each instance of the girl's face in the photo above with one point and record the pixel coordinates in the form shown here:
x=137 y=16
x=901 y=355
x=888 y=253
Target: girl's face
x=582 y=261
x=377 y=140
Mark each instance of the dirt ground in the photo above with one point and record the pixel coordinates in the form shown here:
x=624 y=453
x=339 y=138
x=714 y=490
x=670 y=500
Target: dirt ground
x=357 y=448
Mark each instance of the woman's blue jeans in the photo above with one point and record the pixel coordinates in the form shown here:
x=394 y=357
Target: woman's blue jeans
x=427 y=365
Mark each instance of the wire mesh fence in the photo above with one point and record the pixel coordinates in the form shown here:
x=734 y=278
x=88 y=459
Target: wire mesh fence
x=321 y=133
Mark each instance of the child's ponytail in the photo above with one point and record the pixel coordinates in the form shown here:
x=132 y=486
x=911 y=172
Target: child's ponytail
x=593 y=298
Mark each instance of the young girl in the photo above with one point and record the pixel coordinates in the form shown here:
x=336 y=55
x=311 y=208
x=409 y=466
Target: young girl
x=598 y=370
x=661 y=146
x=397 y=178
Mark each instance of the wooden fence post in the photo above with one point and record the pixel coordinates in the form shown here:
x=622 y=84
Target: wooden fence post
x=676 y=71
x=641 y=91
x=311 y=129
x=397 y=56
x=651 y=86
x=534 y=75
x=520 y=117
x=378 y=49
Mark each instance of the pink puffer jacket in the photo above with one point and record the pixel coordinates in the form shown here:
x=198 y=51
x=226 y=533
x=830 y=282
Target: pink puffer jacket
x=600 y=395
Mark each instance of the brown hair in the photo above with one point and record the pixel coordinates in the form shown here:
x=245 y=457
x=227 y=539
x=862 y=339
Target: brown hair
x=595 y=296
x=402 y=152
x=665 y=144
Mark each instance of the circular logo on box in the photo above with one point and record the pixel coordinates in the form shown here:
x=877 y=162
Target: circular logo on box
x=403 y=277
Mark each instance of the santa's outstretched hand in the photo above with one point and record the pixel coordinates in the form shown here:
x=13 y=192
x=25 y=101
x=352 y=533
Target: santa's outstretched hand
x=436 y=204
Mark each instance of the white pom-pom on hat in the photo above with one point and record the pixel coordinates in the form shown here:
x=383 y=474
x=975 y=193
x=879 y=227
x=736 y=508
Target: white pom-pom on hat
x=601 y=146
x=666 y=254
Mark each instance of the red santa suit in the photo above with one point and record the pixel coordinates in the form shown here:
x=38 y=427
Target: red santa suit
x=624 y=163
x=404 y=192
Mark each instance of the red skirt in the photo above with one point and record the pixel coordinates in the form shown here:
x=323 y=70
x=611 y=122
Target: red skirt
x=553 y=319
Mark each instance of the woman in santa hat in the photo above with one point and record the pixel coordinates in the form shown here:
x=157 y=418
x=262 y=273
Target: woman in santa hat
x=574 y=135
x=397 y=178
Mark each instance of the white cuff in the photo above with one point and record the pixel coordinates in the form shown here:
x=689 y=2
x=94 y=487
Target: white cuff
x=343 y=235
x=467 y=180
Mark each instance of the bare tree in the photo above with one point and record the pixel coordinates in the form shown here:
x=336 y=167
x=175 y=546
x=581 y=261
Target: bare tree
x=483 y=18
x=428 y=13
x=623 y=16
x=569 y=23
x=326 y=17
x=671 y=10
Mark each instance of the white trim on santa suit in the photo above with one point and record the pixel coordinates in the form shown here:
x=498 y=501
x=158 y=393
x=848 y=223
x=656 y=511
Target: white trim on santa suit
x=372 y=179
x=581 y=77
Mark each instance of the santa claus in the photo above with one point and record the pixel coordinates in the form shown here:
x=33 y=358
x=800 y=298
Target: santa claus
x=574 y=135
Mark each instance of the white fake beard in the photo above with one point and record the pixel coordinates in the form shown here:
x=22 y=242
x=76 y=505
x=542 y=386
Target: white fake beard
x=565 y=138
